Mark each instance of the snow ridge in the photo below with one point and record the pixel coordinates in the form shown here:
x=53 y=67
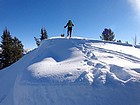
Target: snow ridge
x=74 y=71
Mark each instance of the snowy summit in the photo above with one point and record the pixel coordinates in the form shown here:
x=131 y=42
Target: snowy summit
x=74 y=71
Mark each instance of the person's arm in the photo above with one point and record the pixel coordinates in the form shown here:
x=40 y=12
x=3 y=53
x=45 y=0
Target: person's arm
x=66 y=25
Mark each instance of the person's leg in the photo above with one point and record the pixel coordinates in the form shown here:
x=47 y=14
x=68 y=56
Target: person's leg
x=70 y=31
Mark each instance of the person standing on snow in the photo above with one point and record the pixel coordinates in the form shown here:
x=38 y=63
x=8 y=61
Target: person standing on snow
x=70 y=25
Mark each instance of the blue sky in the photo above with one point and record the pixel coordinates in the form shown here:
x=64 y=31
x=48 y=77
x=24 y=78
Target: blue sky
x=25 y=18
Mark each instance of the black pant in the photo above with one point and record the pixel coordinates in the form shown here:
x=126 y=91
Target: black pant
x=69 y=31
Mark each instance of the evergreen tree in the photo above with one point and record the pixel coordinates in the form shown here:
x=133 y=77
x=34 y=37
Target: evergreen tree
x=6 y=46
x=126 y=42
x=37 y=41
x=43 y=34
x=17 y=49
x=0 y=58
x=119 y=41
x=107 y=35
x=12 y=49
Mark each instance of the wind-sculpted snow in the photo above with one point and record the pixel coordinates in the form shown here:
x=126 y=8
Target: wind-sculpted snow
x=74 y=71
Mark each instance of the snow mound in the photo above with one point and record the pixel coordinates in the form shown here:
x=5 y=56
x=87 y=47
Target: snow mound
x=73 y=71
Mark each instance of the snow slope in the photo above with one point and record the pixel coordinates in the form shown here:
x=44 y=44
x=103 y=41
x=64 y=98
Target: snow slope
x=73 y=71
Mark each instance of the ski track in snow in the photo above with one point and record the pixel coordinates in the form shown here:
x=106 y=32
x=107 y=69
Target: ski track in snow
x=119 y=54
x=101 y=70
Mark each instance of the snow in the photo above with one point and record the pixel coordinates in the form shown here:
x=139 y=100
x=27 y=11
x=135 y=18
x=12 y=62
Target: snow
x=74 y=71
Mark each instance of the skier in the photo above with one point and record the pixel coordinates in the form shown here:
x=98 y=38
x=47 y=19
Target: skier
x=70 y=25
